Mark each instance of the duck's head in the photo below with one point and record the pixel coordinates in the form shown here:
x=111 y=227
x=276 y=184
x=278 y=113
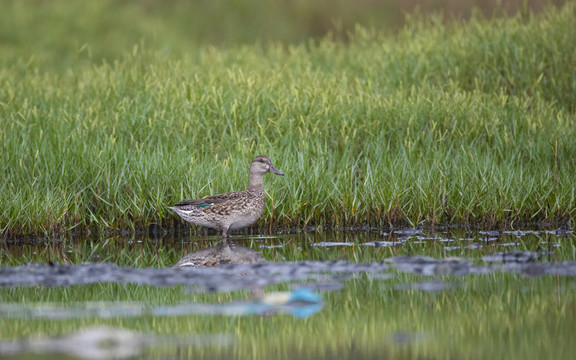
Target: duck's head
x=262 y=164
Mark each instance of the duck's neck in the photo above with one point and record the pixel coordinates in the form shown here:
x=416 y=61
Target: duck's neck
x=255 y=179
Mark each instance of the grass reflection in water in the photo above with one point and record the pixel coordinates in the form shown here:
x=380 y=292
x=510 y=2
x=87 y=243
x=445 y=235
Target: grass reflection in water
x=494 y=313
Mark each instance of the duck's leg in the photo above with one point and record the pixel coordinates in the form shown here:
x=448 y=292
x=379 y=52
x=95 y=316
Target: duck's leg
x=225 y=236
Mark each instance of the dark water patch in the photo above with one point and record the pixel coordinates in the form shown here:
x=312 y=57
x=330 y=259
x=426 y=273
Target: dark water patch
x=408 y=231
x=516 y=256
x=424 y=265
x=486 y=239
x=559 y=230
x=490 y=233
x=566 y=268
x=460 y=267
x=359 y=227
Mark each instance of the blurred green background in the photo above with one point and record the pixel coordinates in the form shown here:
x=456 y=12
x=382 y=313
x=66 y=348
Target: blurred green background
x=97 y=30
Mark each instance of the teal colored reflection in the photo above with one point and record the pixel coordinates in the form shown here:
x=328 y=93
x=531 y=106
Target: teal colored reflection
x=299 y=303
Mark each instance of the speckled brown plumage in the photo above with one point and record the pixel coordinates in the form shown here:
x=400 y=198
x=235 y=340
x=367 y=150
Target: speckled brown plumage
x=233 y=210
x=220 y=254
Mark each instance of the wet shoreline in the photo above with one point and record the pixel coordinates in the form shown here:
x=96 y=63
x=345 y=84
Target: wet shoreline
x=155 y=231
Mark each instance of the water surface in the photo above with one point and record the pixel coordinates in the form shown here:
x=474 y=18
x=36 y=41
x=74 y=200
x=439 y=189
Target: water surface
x=409 y=293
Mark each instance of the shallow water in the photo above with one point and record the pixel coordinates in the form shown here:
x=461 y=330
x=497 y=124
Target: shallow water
x=394 y=293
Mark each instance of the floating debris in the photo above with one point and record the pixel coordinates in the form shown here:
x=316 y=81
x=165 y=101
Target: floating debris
x=408 y=232
x=329 y=244
x=379 y=244
x=515 y=257
x=488 y=239
x=562 y=231
x=474 y=247
x=510 y=244
x=466 y=239
x=489 y=233
x=520 y=233
x=451 y=248
x=279 y=246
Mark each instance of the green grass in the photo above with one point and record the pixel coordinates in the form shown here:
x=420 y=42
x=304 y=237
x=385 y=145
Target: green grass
x=458 y=123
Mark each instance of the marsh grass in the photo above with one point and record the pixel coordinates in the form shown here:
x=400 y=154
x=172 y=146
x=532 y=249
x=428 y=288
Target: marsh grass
x=463 y=123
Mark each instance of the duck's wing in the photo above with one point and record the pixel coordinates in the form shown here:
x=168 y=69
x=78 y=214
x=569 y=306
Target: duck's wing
x=211 y=200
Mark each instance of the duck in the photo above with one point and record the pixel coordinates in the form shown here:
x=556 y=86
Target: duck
x=233 y=210
x=223 y=253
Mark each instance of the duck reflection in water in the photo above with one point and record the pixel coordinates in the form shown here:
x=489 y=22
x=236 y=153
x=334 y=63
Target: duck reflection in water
x=300 y=302
x=223 y=253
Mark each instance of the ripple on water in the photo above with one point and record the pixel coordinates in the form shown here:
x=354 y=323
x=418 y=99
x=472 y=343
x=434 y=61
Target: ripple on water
x=263 y=246
x=429 y=286
x=330 y=244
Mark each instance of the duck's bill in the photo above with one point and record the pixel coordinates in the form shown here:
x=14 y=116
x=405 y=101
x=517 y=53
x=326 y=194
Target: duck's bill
x=276 y=171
